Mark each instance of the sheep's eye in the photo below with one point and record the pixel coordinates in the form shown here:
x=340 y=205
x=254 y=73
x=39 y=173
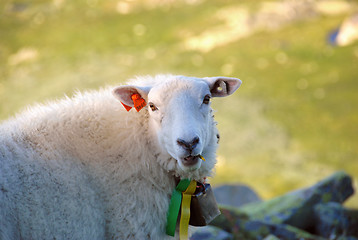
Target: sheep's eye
x=153 y=107
x=207 y=99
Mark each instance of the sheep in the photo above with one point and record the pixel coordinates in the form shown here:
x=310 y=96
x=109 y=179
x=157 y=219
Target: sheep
x=85 y=168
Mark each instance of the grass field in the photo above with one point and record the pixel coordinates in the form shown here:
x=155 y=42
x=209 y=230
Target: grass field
x=293 y=121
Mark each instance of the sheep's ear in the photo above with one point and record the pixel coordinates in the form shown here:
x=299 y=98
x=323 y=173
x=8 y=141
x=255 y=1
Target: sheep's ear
x=131 y=96
x=223 y=86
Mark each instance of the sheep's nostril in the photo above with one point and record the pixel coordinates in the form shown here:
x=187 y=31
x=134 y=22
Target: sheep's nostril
x=194 y=142
x=188 y=145
x=182 y=143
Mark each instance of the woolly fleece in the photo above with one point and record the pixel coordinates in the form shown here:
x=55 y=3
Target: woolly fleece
x=85 y=168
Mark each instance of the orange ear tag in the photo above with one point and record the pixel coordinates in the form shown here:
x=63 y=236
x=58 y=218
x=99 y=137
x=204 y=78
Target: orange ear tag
x=126 y=107
x=138 y=101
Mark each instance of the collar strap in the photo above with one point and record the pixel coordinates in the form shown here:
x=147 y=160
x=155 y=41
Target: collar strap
x=181 y=196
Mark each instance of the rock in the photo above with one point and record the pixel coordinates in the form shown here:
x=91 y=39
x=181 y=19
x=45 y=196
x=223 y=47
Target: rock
x=241 y=227
x=287 y=232
x=235 y=195
x=296 y=215
x=210 y=233
x=296 y=208
x=333 y=220
x=232 y=221
x=271 y=237
x=229 y=218
x=346 y=238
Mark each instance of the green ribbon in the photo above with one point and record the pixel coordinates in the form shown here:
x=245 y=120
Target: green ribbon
x=174 y=206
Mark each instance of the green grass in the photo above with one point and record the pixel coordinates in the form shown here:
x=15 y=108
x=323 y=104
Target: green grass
x=293 y=121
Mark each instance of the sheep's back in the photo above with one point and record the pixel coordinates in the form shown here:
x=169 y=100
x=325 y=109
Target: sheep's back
x=43 y=197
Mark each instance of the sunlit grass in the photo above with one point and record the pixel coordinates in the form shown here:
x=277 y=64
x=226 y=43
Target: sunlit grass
x=303 y=93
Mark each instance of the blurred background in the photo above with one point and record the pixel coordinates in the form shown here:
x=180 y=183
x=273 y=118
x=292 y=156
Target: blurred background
x=293 y=121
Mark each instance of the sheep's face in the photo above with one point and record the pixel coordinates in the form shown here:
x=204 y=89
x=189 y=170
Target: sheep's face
x=181 y=117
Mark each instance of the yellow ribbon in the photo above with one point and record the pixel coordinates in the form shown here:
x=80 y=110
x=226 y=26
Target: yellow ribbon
x=185 y=210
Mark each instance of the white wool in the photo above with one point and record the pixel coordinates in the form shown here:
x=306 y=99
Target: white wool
x=85 y=168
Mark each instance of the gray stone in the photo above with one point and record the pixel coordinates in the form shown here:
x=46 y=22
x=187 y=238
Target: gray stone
x=235 y=195
x=210 y=233
x=241 y=227
x=346 y=238
x=296 y=215
x=271 y=237
x=332 y=220
x=287 y=232
x=296 y=208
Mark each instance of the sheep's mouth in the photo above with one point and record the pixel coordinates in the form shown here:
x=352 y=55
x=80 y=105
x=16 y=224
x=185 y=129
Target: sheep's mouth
x=190 y=160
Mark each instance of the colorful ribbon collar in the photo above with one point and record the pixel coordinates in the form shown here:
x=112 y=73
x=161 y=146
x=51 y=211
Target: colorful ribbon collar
x=181 y=196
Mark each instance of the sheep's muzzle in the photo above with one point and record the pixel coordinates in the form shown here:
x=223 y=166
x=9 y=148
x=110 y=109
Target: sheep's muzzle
x=191 y=160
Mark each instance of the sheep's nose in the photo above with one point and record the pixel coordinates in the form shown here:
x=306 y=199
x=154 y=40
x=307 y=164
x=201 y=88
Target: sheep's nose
x=189 y=146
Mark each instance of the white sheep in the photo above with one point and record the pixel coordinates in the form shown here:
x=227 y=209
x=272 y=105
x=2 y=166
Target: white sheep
x=85 y=168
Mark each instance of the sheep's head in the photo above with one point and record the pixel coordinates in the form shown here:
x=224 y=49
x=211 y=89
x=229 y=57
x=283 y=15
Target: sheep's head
x=181 y=117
